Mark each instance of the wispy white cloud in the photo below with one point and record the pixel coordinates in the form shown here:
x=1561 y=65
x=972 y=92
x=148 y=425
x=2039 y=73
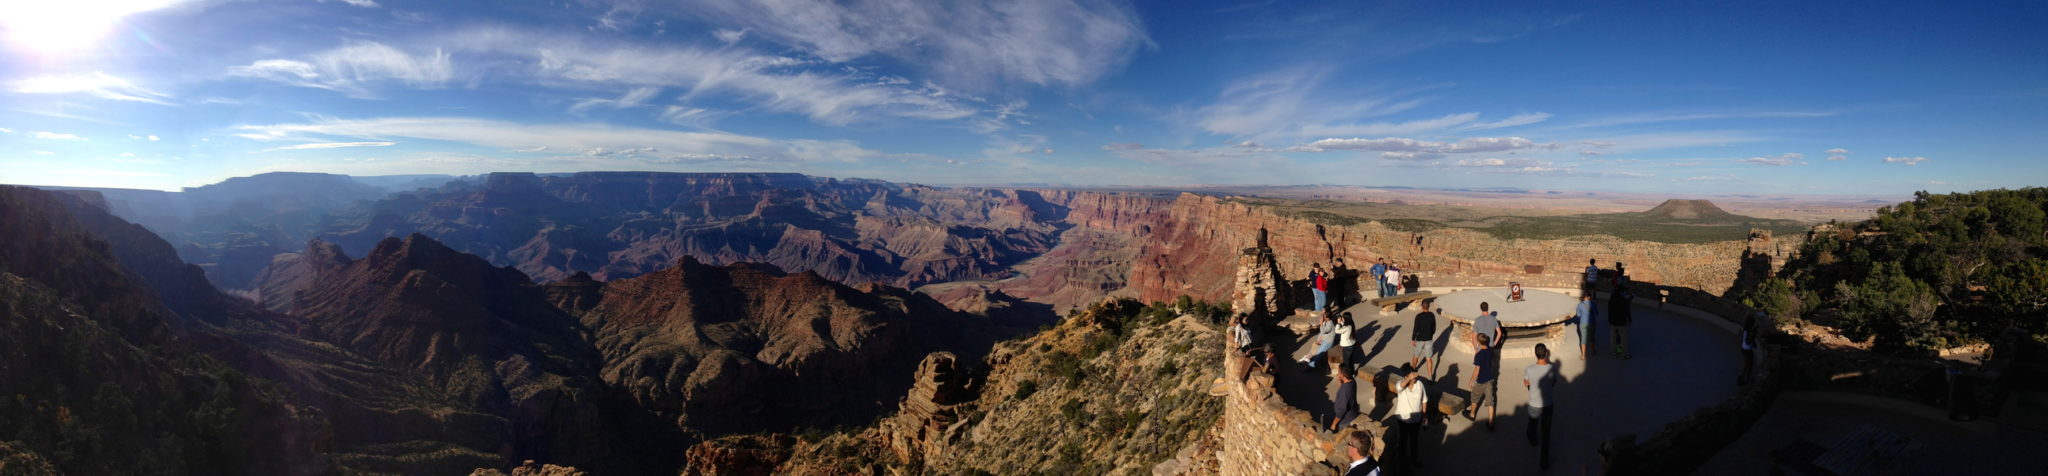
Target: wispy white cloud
x=1658 y=117
x=1511 y=121
x=359 y=3
x=1838 y=154
x=1908 y=161
x=331 y=145
x=98 y=84
x=55 y=136
x=632 y=98
x=1524 y=166
x=352 y=68
x=775 y=83
x=584 y=140
x=1779 y=161
x=1401 y=148
x=973 y=45
x=1706 y=178
x=1294 y=103
x=4 y=130
x=729 y=36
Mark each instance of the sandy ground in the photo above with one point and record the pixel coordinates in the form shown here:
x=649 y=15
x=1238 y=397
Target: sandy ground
x=1680 y=365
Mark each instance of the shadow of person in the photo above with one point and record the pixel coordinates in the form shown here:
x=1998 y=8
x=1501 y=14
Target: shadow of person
x=1443 y=340
x=1385 y=337
x=1299 y=387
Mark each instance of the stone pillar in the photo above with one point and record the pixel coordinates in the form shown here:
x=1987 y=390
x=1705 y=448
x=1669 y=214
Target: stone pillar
x=1260 y=290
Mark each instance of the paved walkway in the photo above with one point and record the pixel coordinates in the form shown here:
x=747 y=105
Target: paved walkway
x=1681 y=364
x=1947 y=447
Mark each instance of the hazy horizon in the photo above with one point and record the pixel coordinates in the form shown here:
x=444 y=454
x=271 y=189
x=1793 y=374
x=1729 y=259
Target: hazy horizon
x=1823 y=99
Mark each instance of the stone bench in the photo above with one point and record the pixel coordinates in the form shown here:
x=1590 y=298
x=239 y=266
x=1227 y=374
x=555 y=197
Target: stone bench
x=1386 y=304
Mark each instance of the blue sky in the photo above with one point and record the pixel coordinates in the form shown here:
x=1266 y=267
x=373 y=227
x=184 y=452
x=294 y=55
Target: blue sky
x=1871 y=98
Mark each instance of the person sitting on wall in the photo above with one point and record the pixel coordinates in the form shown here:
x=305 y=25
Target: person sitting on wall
x=1241 y=333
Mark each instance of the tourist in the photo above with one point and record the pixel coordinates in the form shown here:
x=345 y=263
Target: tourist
x=1326 y=336
x=1408 y=404
x=1540 y=379
x=1241 y=332
x=1347 y=343
x=1424 y=337
x=1393 y=280
x=1379 y=275
x=1412 y=282
x=1619 y=314
x=1360 y=449
x=1486 y=329
x=1343 y=283
x=1345 y=406
x=1592 y=277
x=1748 y=348
x=1585 y=315
x=1485 y=370
x=1319 y=282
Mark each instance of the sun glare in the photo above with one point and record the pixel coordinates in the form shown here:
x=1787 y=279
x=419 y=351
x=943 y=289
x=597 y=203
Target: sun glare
x=56 y=27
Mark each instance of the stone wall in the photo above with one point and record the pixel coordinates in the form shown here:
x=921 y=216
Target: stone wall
x=1261 y=434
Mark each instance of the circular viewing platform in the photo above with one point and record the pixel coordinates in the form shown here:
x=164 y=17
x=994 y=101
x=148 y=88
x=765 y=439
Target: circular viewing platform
x=1540 y=316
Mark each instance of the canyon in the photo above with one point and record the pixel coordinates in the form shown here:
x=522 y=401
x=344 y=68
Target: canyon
x=639 y=322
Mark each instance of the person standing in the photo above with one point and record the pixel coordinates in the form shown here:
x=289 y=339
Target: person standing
x=1393 y=280
x=1619 y=315
x=1347 y=343
x=1359 y=443
x=1345 y=406
x=1748 y=348
x=1379 y=276
x=1408 y=404
x=1319 y=282
x=1343 y=283
x=1241 y=333
x=1485 y=388
x=1424 y=337
x=1540 y=379
x=1585 y=324
x=1592 y=277
x=1486 y=329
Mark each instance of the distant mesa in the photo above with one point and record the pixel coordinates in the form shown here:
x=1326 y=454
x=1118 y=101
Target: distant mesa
x=1676 y=209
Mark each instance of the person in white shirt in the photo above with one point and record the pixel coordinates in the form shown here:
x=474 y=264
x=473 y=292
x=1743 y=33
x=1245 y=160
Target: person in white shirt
x=1408 y=406
x=1347 y=344
x=1393 y=281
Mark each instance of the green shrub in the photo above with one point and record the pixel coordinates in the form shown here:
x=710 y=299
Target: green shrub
x=1025 y=389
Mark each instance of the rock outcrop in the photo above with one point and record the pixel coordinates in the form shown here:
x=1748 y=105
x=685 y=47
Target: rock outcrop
x=103 y=376
x=746 y=348
x=1116 y=389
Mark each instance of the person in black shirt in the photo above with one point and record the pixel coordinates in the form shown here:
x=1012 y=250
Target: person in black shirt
x=1619 y=315
x=1424 y=337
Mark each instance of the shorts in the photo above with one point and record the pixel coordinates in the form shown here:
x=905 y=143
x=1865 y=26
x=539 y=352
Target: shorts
x=1425 y=349
x=1483 y=392
x=1585 y=334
